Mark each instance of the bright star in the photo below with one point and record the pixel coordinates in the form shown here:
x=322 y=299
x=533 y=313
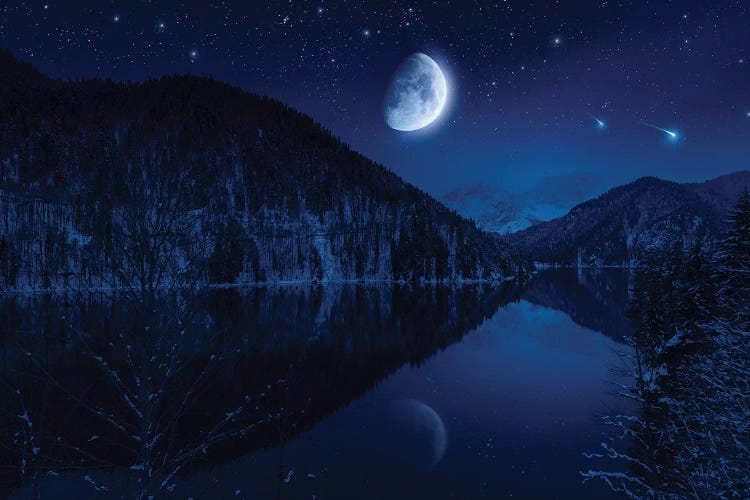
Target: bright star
x=116 y=18
x=557 y=40
x=193 y=55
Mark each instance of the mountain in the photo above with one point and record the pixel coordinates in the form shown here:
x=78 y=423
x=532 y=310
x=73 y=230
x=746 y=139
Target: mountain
x=501 y=211
x=494 y=209
x=618 y=226
x=578 y=294
x=106 y=184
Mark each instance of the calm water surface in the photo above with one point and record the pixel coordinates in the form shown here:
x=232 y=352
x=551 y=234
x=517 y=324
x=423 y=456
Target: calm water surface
x=418 y=393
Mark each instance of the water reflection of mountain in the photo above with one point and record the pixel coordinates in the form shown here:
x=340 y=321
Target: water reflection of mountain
x=301 y=352
x=593 y=298
x=337 y=343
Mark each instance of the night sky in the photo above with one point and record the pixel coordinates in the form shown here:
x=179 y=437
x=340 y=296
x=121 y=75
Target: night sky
x=527 y=81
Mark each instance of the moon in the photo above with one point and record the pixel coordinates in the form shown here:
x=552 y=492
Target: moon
x=422 y=419
x=416 y=95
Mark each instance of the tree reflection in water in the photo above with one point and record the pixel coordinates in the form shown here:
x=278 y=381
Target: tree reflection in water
x=157 y=389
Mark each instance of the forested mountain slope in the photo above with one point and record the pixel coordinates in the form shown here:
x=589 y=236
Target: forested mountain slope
x=621 y=225
x=102 y=181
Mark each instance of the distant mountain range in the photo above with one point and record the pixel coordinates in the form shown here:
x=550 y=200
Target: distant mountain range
x=100 y=180
x=499 y=210
x=618 y=226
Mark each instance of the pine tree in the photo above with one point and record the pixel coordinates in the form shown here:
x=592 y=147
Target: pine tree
x=696 y=304
x=733 y=265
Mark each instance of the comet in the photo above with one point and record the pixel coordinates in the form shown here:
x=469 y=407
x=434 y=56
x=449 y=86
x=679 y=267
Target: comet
x=599 y=123
x=672 y=134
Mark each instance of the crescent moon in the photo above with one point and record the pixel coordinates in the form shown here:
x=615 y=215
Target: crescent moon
x=423 y=417
x=416 y=95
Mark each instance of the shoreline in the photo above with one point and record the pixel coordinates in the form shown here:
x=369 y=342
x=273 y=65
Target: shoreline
x=271 y=284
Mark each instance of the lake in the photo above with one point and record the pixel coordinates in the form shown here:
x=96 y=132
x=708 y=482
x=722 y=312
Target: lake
x=358 y=391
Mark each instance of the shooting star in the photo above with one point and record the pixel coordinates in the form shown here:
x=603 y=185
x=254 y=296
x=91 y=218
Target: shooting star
x=601 y=124
x=672 y=134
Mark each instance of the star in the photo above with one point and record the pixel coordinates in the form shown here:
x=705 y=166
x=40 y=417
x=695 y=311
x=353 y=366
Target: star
x=557 y=41
x=193 y=55
x=366 y=33
x=116 y=18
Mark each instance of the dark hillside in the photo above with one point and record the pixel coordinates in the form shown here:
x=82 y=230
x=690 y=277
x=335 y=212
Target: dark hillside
x=245 y=185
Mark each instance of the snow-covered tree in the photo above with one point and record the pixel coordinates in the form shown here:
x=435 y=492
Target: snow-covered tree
x=690 y=367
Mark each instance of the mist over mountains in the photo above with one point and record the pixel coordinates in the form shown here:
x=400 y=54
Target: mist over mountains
x=502 y=211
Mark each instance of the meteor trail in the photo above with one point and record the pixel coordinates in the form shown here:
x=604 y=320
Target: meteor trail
x=671 y=134
x=599 y=123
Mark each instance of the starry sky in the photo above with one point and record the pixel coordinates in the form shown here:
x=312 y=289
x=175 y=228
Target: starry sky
x=539 y=91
